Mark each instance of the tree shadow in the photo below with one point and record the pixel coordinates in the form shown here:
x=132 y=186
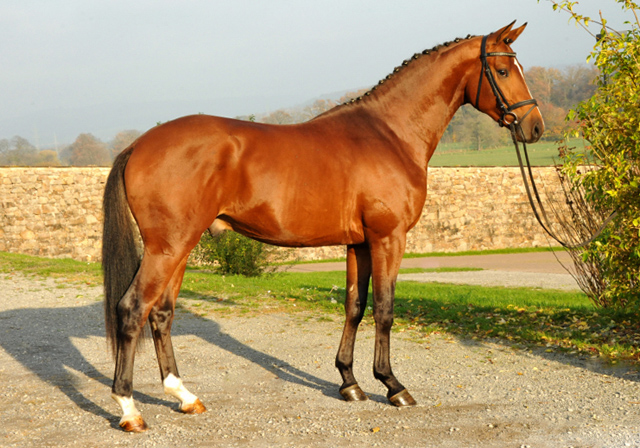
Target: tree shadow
x=474 y=326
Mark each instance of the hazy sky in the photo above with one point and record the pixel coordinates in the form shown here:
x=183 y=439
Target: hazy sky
x=74 y=66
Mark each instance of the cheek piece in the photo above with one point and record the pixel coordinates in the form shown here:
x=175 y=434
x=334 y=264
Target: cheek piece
x=509 y=117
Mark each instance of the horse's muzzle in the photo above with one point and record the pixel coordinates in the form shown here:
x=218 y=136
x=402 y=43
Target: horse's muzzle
x=532 y=129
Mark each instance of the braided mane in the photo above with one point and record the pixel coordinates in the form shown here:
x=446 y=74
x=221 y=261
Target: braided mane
x=404 y=64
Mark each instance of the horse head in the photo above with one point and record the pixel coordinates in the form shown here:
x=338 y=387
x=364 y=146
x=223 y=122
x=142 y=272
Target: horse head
x=501 y=91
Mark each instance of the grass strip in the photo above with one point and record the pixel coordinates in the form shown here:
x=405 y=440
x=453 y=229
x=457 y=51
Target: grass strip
x=543 y=153
x=59 y=268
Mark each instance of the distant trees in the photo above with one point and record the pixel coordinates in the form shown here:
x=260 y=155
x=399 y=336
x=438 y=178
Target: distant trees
x=471 y=129
x=280 y=116
x=48 y=157
x=301 y=114
x=316 y=108
x=557 y=91
x=122 y=140
x=19 y=152
x=88 y=150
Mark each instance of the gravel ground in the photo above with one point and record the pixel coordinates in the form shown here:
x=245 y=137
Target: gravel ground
x=269 y=380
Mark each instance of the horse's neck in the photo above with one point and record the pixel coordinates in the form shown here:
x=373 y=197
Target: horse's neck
x=419 y=101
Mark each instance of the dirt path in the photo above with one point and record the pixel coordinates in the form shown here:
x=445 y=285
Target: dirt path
x=269 y=380
x=540 y=262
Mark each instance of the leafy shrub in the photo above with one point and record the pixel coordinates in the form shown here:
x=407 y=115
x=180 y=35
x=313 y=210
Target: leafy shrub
x=233 y=254
x=609 y=122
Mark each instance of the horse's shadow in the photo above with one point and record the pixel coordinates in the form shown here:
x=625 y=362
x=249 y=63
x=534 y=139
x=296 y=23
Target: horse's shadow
x=41 y=339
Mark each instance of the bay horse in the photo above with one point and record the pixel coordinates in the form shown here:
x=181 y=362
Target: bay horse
x=355 y=175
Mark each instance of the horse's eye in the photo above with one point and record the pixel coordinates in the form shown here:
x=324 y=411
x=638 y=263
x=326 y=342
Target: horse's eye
x=504 y=73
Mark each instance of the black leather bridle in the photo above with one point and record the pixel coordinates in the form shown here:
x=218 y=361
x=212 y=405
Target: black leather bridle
x=508 y=110
x=510 y=119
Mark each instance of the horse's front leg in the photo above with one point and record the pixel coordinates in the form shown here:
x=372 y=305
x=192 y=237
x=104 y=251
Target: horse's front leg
x=386 y=255
x=358 y=276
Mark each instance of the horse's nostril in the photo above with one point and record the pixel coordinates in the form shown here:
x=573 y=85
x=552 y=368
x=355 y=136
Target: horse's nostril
x=536 y=131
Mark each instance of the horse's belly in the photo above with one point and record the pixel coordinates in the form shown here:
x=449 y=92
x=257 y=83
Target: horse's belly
x=297 y=231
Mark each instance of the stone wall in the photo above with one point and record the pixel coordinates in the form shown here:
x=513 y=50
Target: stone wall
x=56 y=212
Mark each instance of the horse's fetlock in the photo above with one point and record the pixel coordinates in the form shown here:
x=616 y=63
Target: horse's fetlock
x=381 y=376
x=342 y=366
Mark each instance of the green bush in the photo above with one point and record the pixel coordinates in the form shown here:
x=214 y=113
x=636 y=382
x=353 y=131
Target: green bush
x=609 y=121
x=233 y=254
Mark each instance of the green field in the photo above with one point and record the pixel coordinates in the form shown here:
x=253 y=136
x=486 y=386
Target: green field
x=524 y=317
x=454 y=154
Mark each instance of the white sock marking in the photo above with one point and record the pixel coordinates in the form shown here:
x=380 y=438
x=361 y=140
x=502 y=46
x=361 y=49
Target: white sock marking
x=128 y=406
x=173 y=386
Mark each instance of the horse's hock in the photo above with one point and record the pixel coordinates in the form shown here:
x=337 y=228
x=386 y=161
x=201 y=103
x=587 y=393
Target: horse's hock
x=57 y=212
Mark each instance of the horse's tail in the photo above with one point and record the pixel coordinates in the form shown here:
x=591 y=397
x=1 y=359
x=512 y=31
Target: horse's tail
x=120 y=256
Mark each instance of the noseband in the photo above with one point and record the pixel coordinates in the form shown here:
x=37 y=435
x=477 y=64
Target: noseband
x=509 y=117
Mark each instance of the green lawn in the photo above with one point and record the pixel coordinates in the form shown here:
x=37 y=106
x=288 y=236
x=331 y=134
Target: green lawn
x=553 y=320
x=541 y=154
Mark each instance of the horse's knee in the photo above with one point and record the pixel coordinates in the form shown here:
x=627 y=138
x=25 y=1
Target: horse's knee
x=353 y=319
x=384 y=320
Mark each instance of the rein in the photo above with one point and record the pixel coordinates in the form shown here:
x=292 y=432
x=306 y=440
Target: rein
x=530 y=185
x=510 y=119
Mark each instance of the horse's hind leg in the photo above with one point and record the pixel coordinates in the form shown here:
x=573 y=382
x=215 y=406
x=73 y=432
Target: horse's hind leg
x=160 y=320
x=358 y=275
x=133 y=309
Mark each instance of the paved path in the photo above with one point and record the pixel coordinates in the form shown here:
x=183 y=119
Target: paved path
x=541 y=262
x=534 y=270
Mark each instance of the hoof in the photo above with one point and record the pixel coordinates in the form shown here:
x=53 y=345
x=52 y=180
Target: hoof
x=353 y=393
x=194 y=408
x=402 y=398
x=134 y=424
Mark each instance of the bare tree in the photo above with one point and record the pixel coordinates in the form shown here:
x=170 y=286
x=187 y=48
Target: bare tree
x=578 y=221
x=122 y=140
x=88 y=150
x=280 y=116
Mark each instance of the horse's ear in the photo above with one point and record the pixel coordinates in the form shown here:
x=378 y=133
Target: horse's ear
x=513 y=35
x=503 y=32
x=509 y=35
